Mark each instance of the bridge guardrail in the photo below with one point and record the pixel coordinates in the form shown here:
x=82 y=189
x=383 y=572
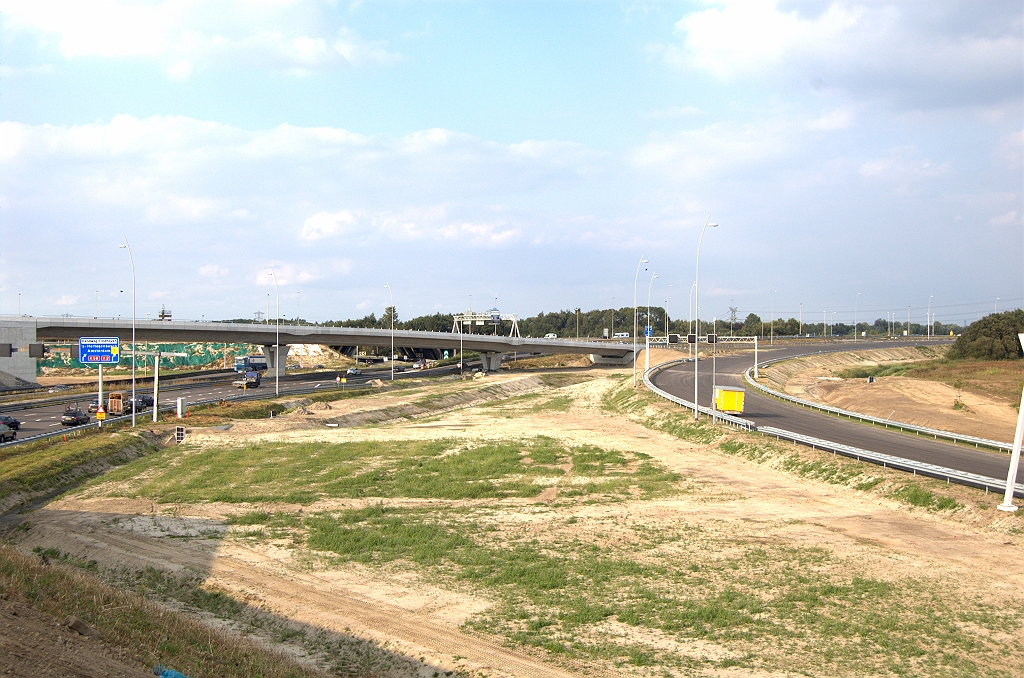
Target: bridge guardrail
x=887 y=460
x=738 y=422
x=902 y=426
x=879 y=458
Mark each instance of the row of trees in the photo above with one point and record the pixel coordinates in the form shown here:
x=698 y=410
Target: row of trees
x=568 y=323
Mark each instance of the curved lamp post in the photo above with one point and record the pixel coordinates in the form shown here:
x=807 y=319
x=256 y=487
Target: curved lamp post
x=696 y=313
x=635 y=278
x=647 y=339
x=277 y=340
x=126 y=246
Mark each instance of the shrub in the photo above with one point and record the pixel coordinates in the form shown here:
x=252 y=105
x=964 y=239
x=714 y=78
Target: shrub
x=994 y=337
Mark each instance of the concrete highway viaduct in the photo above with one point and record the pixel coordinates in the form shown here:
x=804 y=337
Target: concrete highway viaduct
x=23 y=332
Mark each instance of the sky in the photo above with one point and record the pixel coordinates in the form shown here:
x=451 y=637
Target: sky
x=859 y=158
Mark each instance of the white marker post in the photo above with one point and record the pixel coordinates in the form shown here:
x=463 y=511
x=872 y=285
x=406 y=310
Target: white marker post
x=1018 y=437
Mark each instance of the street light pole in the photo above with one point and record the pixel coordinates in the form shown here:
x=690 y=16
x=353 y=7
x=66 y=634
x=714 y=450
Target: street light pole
x=771 y=341
x=392 y=297
x=929 y=318
x=856 y=300
x=647 y=339
x=696 y=309
x=277 y=340
x=635 y=278
x=126 y=246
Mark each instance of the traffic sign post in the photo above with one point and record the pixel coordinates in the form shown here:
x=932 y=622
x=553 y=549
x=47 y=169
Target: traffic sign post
x=1018 y=439
x=99 y=351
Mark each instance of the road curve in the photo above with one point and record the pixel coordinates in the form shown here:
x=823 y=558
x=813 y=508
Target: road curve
x=764 y=410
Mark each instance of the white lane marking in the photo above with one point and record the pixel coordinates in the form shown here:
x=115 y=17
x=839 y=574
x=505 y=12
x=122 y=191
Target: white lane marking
x=55 y=424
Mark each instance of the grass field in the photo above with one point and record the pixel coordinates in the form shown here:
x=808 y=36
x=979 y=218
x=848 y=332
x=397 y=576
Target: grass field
x=446 y=469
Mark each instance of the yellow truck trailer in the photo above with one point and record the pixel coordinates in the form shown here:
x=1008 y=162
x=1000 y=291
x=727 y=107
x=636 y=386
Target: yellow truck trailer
x=729 y=400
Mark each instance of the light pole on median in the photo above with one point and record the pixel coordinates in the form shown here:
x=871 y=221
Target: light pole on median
x=392 y=297
x=126 y=246
x=771 y=341
x=635 y=279
x=647 y=339
x=696 y=308
x=856 y=300
x=929 y=318
x=277 y=340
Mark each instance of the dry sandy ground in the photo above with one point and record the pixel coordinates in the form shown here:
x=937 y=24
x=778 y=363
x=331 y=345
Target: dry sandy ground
x=913 y=401
x=33 y=644
x=402 y=611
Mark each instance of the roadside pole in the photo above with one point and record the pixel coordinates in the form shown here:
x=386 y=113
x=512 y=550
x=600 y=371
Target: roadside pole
x=714 y=373
x=755 y=356
x=156 y=385
x=1018 y=438
x=99 y=399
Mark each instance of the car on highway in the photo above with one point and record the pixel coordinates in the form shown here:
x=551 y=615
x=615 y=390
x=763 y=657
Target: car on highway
x=398 y=368
x=551 y=335
x=8 y=420
x=7 y=434
x=355 y=371
x=57 y=388
x=145 y=400
x=74 y=418
x=93 y=407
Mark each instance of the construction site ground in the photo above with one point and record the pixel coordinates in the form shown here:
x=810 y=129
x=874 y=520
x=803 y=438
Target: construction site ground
x=587 y=529
x=973 y=409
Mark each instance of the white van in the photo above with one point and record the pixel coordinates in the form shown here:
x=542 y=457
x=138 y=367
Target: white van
x=622 y=335
x=551 y=335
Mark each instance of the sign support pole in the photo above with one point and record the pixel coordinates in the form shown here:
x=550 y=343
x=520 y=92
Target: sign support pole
x=1018 y=438
x=99 y=397
x=755 y=356
x=156 y=385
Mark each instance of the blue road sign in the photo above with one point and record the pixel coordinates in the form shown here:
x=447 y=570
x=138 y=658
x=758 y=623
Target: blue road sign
x=99 y=350
x=648 y=331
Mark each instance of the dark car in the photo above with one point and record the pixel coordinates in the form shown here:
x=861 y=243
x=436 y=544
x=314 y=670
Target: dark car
x=10 y=422
x=93 y=407
x=140 y=405
x=145 y=400
x=7 y=434
x=74 y=418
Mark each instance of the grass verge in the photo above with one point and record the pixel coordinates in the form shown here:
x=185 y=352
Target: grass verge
x=150 y=634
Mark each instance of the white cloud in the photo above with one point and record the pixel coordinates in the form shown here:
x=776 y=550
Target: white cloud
x=903 y=164
x=66 y=300
x=213 y=271
x=831 y=121
x=1006 y=219
x=327 y=224
x=708 y=151
x=673 y=113
x=919 y=55
x=291 y=37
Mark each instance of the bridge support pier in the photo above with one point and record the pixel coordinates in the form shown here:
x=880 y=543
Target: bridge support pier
x=491 y=361
x=611 y=360
x=271 y=354
x=20 y=364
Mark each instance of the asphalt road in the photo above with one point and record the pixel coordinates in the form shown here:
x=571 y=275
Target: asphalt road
x=767 y=411
x=36 y=420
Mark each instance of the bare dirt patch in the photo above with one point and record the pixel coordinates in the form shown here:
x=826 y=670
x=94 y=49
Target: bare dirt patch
x=742 y=568
x=922 y=402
